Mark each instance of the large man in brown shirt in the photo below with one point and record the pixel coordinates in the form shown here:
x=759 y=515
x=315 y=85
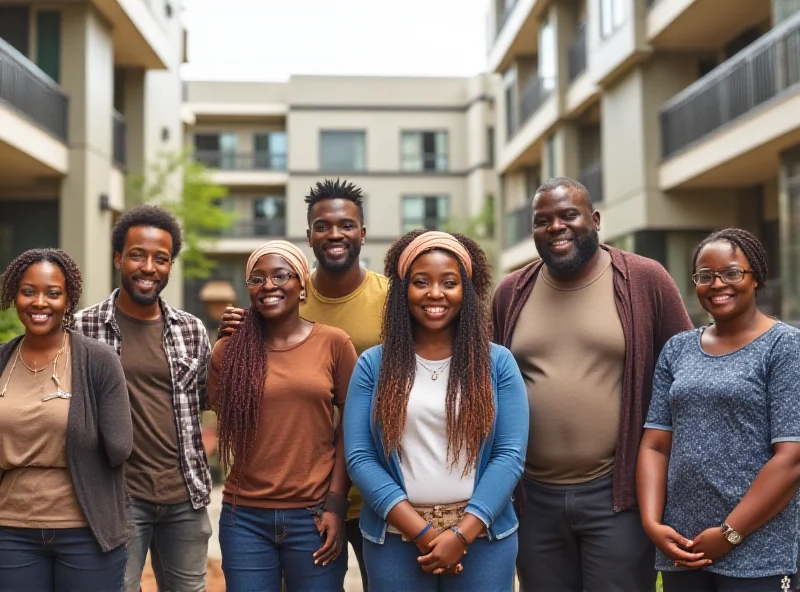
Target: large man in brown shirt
x=586 y=338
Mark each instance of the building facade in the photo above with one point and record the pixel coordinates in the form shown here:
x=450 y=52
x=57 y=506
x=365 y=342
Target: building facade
x=680 y=117
x=421 y=149
x=90 y=91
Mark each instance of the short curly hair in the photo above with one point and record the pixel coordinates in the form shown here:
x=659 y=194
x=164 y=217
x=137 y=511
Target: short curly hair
x=147 y=215
x=12 y=276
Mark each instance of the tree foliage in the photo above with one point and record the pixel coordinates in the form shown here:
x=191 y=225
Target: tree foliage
x=480 y=228
x=197 y=206
x=10 y=325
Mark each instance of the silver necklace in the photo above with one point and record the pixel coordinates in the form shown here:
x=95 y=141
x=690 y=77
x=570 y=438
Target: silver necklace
x=435 y=372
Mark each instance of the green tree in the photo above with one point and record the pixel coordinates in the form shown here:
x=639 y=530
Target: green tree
x=197 y=207
x=10 y=326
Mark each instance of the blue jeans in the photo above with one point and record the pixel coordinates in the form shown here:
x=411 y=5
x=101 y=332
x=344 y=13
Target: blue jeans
x=488 y=567
x=177 y=537
x=59 y=560
x=260 y=546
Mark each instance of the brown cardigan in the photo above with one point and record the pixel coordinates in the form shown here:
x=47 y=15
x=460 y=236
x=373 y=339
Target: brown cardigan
x=651 y=311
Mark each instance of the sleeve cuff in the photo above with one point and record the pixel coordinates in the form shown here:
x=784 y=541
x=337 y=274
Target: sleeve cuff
x=657 y=426
x=786 y=439
x=392 y=504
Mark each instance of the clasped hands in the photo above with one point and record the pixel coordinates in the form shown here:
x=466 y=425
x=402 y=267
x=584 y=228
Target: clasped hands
x=442 y=553
x=707 y=547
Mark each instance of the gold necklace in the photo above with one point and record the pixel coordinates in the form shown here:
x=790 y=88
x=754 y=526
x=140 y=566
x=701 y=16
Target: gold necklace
x=60 y=393
x=37 y=370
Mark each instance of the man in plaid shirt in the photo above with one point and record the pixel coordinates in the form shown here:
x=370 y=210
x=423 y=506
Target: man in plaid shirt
x=165 y=354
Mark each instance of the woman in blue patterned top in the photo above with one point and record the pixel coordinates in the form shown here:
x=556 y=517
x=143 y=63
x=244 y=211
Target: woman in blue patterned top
x=719 y=462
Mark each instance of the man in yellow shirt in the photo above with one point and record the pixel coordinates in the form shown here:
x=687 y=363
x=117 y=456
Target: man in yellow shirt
x=341 y=293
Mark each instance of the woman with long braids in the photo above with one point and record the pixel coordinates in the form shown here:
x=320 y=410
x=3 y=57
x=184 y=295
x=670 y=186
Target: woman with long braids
x=65 y=432
x=436 y=427
x=719 y=461
x=274 y=384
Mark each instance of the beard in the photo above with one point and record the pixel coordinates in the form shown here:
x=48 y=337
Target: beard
x=586 y=247
x=340 y=266
x=137 y=296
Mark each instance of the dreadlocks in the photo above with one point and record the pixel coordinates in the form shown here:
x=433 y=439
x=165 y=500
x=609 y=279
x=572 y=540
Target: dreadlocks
x=242 y=378
x=9 y=281
x=469 y=402
x=747 y=243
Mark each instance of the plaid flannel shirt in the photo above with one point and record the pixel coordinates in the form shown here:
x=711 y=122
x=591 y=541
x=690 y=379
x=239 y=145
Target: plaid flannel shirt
x=188 y=352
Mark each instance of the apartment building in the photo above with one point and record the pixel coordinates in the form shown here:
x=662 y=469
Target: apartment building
x=89 y=91
x=420 y=148
x=680 y=116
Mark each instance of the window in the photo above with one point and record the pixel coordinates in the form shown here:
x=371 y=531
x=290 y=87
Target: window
x=429 y=212
x=342 y=151
x=612 y=16
x=48 y=44
x=217 y=151
x=547 y=56
x=533 y=180
x=551 y=156
x=490 y=146
x=510 y=96
x=270 y=151
x=424 y=151
x=269 y=216
x=14 y=27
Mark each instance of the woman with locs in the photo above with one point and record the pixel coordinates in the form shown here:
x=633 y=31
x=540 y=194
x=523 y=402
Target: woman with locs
x=65 y=432
x=437 y=426
x=719 y=461
x=274 y=384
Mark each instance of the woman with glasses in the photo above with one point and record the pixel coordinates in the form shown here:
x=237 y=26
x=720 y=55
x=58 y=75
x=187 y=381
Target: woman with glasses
x=437 y=426
x=274 y=385
x=719 y=462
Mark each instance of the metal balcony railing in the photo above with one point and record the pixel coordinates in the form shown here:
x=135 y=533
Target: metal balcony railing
x=577 y=54
x=592 y=178
x=229 y=161
x=257 y=227
x=120 y=127
x=532 y=97
x=429 y=161
x=519 y=225
x=769 y=67
x=32 y=92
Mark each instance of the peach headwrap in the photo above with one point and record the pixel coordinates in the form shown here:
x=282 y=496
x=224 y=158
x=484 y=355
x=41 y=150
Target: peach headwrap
x=433 y=239
x=294 y=256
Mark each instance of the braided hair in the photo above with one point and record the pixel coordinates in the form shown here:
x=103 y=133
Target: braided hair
x=744 y=241
x=242 y=378
x=469 y=400
x=10 y=280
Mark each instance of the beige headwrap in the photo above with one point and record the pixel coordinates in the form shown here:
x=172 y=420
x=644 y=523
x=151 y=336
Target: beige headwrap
x=433 y=239
x=294 y=256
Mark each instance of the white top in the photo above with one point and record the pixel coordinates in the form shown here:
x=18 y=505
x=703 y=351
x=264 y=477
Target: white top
x=429 y=479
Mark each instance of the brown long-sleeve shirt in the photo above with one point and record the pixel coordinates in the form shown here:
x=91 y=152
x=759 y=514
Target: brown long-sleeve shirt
x=651 y=311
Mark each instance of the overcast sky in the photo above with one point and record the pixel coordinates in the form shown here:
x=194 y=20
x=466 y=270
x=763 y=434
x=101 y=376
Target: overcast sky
x=272 y=39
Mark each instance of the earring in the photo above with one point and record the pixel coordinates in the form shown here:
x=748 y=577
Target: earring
x=302 y=295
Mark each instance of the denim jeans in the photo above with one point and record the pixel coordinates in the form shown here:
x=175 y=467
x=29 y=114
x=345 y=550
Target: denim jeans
x=260 y=546
x=58 y=560
x=488 y=567
x=177 y=537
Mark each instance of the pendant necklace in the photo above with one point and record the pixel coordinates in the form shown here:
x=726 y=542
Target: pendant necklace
x=434 y=372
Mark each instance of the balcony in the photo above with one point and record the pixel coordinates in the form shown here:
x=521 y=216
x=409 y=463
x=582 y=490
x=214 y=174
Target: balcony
x=764 y=71
x=119 y=139
x=503 y=18
x=519 y=226
x=577 y=54
x=429 y=162
x=32 y=93
x=257 y=227
x=592 y=178
x=253 y=161
x=532 y=97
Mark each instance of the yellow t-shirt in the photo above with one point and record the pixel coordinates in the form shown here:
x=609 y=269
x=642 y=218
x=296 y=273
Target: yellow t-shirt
x=359 y=314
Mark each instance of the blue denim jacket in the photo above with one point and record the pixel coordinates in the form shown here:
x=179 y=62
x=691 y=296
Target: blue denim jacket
x=500 y=463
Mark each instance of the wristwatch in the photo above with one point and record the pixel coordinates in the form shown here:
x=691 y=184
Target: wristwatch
x=733 y=537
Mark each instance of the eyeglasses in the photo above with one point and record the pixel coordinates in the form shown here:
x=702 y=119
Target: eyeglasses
x=280 y=279
x=728 y=276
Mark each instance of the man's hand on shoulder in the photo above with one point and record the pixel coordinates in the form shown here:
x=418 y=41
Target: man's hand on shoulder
x=231 y=320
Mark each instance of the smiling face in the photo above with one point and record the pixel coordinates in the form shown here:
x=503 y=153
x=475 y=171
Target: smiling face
x=336 y=234
x=42 y=299
x=565 y=230
x=145 y=263
x=435 y=291
x=725 y=301
x=269 y=300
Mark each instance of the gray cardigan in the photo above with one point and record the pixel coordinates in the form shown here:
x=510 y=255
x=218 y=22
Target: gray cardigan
x=99 y=436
